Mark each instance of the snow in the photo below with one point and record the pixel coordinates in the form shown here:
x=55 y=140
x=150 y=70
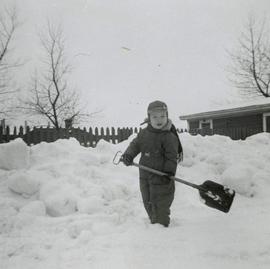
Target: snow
x=14 y=155
x=35 y=208
x=66 y=206
x=24 y=183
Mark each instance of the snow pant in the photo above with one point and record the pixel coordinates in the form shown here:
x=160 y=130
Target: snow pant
x=157 y=195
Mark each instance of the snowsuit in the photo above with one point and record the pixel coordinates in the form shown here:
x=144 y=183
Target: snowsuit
x=159 y=149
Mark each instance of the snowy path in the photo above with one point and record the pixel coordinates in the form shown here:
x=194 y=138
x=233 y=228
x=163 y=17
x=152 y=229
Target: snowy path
x=196 y=238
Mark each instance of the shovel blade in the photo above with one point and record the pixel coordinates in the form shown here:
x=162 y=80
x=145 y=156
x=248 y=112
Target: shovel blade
x=216 y=195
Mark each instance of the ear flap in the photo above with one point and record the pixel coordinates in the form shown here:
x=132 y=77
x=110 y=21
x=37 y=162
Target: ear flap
x=146 y=120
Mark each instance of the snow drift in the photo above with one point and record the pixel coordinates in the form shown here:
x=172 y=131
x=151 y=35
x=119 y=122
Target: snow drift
x=65 y=206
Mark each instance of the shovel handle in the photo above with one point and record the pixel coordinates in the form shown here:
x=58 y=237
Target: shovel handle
x=154 y=171
x=118 y=158
x=218 y=198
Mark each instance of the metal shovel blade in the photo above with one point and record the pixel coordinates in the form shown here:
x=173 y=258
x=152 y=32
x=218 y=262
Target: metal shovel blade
x=216 y=195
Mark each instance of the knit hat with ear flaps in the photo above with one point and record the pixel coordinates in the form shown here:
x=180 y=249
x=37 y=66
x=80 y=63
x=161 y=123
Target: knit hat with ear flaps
x=157 y=106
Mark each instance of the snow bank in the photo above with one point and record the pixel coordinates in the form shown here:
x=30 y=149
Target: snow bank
x=14 y=155
x=69 y=178
x=232 y=163
x=68 y=205
x=35 y=208
x=24 y=182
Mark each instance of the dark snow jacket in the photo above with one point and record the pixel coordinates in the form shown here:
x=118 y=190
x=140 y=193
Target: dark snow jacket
x=158 y=148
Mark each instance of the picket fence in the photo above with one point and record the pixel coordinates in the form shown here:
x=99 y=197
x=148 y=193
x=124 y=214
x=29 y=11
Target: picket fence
x=90 y=137
x=86 y=137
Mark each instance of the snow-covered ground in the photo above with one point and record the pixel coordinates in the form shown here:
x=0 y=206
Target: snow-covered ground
x=66 y=206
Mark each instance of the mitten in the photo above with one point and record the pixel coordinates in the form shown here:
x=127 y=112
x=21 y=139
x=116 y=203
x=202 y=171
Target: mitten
x=127 y=159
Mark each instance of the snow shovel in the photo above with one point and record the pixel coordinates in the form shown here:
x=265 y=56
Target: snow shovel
x=214 y=195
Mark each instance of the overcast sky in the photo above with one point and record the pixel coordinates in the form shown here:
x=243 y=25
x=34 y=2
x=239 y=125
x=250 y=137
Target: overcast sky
x=126 y=53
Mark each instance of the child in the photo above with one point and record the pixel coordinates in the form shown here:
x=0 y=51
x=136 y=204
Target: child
x=159 y=148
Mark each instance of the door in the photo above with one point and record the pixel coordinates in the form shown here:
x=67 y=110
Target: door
x=206 y=128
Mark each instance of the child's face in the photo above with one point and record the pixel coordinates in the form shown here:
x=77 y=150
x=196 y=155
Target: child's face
x=158 y=119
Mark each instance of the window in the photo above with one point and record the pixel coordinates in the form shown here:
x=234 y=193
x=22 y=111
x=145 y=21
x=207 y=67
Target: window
x=206 y=124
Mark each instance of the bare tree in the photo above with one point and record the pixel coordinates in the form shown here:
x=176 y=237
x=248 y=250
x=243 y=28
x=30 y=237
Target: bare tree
x=8 y=25
x=250 y=68
x=50 y=95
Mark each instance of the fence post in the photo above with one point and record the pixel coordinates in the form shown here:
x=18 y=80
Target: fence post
x=90 y=137
x=15 y=132
x=7 y=133
x=113 y=136
x=60 y=134
x=96 y=137
x=26 y=137
x=83 y=137
x=54 y=132
x=102 y=136
x=74 y=133
x=123 y=133
x=107 y=137
x=3 y=125
x=21 y=132
x=41 y=134
x=119 y=135
x=34 y=136
x=1 y=134
x=126 y=133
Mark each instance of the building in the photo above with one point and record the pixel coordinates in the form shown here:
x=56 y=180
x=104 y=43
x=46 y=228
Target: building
x=237 y=122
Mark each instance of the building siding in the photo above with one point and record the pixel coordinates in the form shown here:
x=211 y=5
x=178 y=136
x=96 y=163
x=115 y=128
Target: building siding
x=234 y=127
x=268 y=124
x=193 y=124
x=252 y=121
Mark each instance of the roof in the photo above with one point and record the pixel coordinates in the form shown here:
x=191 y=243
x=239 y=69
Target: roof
x=232 y=112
